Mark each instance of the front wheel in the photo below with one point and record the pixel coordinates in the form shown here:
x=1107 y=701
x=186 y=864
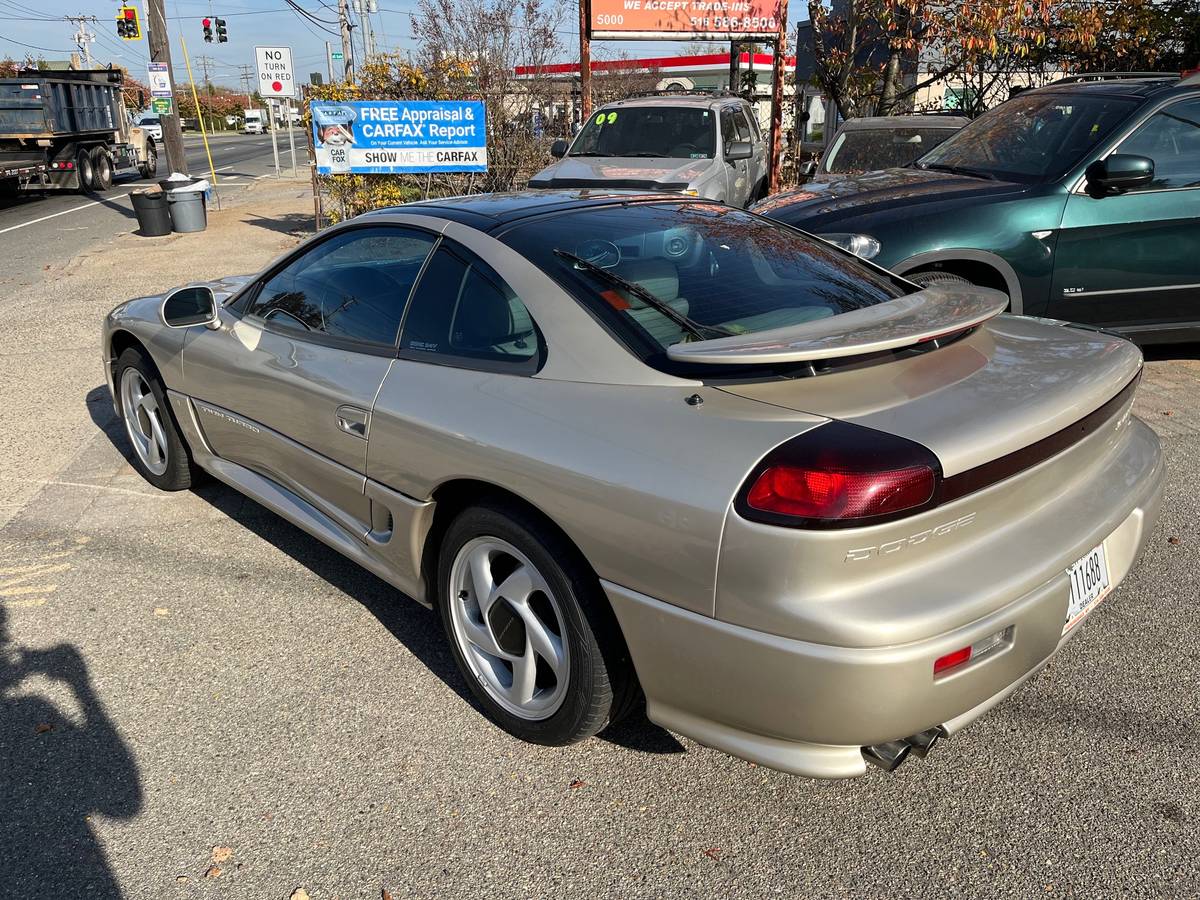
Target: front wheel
x=150 y=167
x=932 y=277
x=530 y=629
x=159 y=453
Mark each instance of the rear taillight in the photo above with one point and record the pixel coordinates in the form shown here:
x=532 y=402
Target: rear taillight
x=840 y=475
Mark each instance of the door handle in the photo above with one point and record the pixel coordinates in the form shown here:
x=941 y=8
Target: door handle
x=353 y=421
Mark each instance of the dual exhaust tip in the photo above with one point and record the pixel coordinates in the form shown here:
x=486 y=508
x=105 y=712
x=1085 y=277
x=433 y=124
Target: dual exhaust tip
x=891 y=754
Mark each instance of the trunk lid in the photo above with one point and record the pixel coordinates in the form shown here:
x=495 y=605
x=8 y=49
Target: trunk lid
x=1011 y=383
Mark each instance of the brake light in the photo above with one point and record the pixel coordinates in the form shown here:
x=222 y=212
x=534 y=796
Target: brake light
x=840 y=475
x=817 y=494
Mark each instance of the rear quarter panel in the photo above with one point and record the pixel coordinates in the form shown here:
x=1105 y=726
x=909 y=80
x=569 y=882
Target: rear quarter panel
x=639 y=479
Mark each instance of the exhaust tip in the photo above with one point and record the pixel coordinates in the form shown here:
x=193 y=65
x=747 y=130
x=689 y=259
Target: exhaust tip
x=888 y=755
x=924 y=741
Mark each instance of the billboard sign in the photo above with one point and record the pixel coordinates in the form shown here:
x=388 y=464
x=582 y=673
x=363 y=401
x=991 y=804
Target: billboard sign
x=672 y=19
x=399 y=136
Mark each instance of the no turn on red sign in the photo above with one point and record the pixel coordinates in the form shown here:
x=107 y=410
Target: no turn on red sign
x=275 y=77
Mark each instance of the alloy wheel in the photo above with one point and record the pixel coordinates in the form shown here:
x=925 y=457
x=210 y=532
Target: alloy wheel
x=509 y=628
x=143 y=421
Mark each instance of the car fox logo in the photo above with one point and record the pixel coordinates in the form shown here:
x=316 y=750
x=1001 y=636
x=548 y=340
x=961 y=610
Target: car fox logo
x=919 y=538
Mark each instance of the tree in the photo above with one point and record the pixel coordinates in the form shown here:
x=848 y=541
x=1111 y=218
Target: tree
x=1145 y=35
x=866 y=53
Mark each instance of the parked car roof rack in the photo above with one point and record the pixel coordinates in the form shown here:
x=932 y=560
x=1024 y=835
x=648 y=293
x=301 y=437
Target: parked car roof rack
x=1113 y=76
x=687 y=92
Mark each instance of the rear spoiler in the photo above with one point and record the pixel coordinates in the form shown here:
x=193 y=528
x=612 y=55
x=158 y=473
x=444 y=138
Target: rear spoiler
x=913 y=319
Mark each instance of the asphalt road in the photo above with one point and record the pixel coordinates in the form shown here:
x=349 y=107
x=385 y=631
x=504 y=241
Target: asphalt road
x=65 y=223
x=198 y=700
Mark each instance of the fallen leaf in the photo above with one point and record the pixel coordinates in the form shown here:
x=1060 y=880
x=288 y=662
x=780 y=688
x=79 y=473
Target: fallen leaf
x=213 y=872
x=1167 y=412
x=577 y=784
x=221 y=854
x=713 y=853
x=1174 y=540
x=42 y=727
x=385 y=894
x=181 y=879
x=160 y=610
x=299 y=894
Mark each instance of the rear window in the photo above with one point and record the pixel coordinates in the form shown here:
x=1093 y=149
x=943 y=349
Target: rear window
x=870 y=149
x=718 y=271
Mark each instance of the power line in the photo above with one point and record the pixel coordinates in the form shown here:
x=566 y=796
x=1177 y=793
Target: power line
x=35 y=46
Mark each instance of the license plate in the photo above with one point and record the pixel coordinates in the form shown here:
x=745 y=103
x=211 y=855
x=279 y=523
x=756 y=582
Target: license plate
x=1089 y=584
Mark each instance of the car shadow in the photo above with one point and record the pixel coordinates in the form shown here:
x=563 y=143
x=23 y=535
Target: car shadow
x=295 y=224
x=60 y=764
x=414 y=626
x=1167 y=352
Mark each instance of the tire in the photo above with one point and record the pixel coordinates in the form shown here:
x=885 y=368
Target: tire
x=159 y=452
x=932 y=277
x=582 y=679
x=86 y=172
x=150 y=167
x=103 y=168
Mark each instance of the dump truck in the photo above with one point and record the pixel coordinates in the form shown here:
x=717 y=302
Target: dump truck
x=69 y=131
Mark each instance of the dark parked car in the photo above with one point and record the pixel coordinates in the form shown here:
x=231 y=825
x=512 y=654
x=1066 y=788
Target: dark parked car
x=871 y=143
x=1080 y=200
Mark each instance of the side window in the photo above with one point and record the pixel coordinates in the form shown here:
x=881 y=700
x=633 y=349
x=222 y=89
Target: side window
x=1171 y=137
x=728 y=130
x=743 y=127
x=463 y=309
x=352 y=287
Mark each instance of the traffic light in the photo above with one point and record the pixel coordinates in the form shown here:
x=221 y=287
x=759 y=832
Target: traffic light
x=222 y=37
x=128 y=26
x=207 y=23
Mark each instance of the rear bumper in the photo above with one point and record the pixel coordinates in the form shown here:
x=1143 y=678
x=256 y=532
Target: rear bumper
x=808 y=708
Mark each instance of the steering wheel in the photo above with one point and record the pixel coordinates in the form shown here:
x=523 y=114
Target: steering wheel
x=598 y=252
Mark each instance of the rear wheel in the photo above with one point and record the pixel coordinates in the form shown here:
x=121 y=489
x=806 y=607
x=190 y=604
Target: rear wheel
x=530 y=629
x=150 y=167
x=932 y=277
x=103 y=168
x=159 y=453
x=86 y=171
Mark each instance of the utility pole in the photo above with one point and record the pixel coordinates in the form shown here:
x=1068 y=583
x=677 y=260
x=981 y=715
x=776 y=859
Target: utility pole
x=777 y=70
x=205 y=62
x=347 y=46
x=247 y=76
x=329 y=60
x=585 y=61
x=160 y=52
x=82 y=37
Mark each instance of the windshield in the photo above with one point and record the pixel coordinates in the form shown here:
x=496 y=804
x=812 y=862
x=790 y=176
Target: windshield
x=719 y=270
x=147 y=120
x=1033 y=137
x=870 y=149
x=665 y=132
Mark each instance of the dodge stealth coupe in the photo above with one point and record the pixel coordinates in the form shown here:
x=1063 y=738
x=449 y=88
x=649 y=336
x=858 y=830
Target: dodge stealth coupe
x=639 y=445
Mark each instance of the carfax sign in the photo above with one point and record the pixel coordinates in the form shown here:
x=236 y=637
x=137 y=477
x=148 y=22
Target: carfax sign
x=399 y=136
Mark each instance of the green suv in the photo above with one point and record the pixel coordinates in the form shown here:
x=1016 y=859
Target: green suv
x=1080 y=200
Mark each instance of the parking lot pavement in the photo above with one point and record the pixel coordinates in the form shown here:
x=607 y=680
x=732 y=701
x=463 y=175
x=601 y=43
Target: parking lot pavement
x=198 y=700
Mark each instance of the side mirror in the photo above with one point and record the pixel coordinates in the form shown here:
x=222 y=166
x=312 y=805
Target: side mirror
x=190 y=306
x=141 y=99
x=738 y=150
x=1118 y=173
x=809 y=168
x=559 y=149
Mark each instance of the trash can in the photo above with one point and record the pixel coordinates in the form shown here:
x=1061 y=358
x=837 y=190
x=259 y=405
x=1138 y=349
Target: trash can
x=187 y=210
x=153 y=216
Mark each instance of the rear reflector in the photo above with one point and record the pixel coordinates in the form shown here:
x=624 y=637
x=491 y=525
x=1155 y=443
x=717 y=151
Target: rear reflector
x=839 y=475
x=950 y=660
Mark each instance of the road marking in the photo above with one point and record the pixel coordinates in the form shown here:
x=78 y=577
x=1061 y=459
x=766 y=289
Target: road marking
x=105 y=487
x=25 y=604
x=63 y=213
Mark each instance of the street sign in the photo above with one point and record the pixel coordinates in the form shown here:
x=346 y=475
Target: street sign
x=399 y=136
x=161 y=106
x=160 y=79
x=337 y=54
x=274 y=65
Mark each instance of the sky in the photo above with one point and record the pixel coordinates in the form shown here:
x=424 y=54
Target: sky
x=39 y=28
